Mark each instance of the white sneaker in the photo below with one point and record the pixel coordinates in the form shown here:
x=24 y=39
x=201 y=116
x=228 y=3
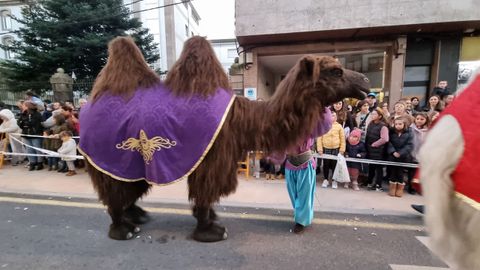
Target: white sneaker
x=325 y=183
x=334 y=185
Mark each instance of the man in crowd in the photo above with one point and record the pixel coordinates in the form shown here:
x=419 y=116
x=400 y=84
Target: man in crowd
x=372 y=101
x=441 y=89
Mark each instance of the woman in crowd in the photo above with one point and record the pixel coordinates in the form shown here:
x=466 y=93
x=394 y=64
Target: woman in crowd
x=363 y=117
x=400 y=110
x=54 y=143
x=344 y=117
x=386 y=112
x=30 y=122
x=415 y=105
x=434 y=104
x=448 y=99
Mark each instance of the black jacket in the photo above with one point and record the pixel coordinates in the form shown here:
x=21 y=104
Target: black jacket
x=441 y=92
x=353 y=151
x=31 y=122
x=402 y=144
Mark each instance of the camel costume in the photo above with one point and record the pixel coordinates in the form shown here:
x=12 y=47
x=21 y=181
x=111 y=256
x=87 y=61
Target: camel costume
x=450 y=176
x=138 y=131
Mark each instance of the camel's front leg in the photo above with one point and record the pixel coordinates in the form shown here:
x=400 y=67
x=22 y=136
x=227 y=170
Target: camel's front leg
x=207 y=229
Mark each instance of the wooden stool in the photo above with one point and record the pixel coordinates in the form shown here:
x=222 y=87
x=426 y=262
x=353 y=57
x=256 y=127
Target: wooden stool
x=245 y=163
x=3 y=138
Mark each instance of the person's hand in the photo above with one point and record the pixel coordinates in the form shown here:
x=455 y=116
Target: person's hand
x=359 y=156
x=320 y=152
x=396 y=154
x=342 y=153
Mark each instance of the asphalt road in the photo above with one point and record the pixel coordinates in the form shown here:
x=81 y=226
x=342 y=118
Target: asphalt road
x=67 y=233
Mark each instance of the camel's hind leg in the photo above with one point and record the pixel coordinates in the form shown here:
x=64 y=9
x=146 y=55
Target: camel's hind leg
x=120 y=198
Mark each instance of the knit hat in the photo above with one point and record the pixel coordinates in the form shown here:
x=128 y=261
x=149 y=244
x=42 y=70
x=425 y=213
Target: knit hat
x=356 y=133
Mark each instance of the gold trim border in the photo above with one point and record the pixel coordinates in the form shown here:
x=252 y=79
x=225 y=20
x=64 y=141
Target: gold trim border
x=207 y=149
x=468 y=200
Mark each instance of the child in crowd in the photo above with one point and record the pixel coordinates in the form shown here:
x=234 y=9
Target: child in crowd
x=419 y=129
x=69 y=147
x=400 y=147
x=331 y=143
x=376 y=141
x=355 y=149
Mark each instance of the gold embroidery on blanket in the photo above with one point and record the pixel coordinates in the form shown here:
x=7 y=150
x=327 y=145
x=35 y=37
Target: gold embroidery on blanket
x=145 y=146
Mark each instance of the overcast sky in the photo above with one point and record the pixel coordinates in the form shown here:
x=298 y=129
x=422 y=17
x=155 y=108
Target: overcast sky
x=217 y=18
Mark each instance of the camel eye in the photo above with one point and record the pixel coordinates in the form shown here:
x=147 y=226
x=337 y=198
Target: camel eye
x=337 y=72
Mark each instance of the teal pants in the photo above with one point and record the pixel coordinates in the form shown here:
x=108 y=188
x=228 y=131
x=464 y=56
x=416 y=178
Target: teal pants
x=301 y=189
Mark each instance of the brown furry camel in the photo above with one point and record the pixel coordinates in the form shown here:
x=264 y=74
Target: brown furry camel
x=291 y=114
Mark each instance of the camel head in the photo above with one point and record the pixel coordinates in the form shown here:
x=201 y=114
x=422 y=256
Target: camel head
x=327 y=80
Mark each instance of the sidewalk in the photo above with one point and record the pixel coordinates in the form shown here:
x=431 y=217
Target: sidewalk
x=257 y=193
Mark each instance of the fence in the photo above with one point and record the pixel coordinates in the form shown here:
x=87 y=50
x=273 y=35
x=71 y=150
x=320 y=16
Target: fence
x=81 y=89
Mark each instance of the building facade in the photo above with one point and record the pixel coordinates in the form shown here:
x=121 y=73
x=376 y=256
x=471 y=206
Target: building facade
x=8 y=9
x=404 y=47
x=226 y=51
x=170 y=26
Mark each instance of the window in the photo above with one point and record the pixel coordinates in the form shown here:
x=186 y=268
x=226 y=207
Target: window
x=8 y=41
x=416 y=82
x=186 y=30
x=6 y=19
x=232 y=53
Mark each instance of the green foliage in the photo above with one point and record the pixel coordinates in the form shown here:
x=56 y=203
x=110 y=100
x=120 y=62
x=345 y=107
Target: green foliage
x=72 y=35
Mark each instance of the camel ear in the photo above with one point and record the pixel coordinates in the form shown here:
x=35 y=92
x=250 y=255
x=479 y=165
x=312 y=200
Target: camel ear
x=307 y=65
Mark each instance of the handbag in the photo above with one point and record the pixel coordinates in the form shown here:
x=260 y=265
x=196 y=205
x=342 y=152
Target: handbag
x=340 y=174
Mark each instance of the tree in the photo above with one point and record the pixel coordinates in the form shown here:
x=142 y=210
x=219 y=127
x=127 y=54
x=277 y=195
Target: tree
x=72 y=35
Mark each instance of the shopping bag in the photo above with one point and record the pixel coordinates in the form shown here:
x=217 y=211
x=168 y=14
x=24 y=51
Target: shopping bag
x=340 y=174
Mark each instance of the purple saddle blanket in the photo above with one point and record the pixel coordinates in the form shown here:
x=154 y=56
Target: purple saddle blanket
x=154 y=136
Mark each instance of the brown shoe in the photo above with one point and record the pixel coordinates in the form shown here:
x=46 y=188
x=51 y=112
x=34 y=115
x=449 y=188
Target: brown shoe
x=392 y=188
x=399 y=191
x=70 y=173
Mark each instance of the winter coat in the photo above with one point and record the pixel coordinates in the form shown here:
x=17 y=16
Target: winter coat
x=54 y=144
x=373 y=135
x=31 y=123
x=68 y=148
x=363 y=124
x=333 y=139
x=402 y=144
x=9 y=124
x=353 y=151
x=418 y=138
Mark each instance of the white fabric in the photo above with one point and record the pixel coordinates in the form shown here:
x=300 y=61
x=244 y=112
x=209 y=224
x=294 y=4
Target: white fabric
x=452 y=225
